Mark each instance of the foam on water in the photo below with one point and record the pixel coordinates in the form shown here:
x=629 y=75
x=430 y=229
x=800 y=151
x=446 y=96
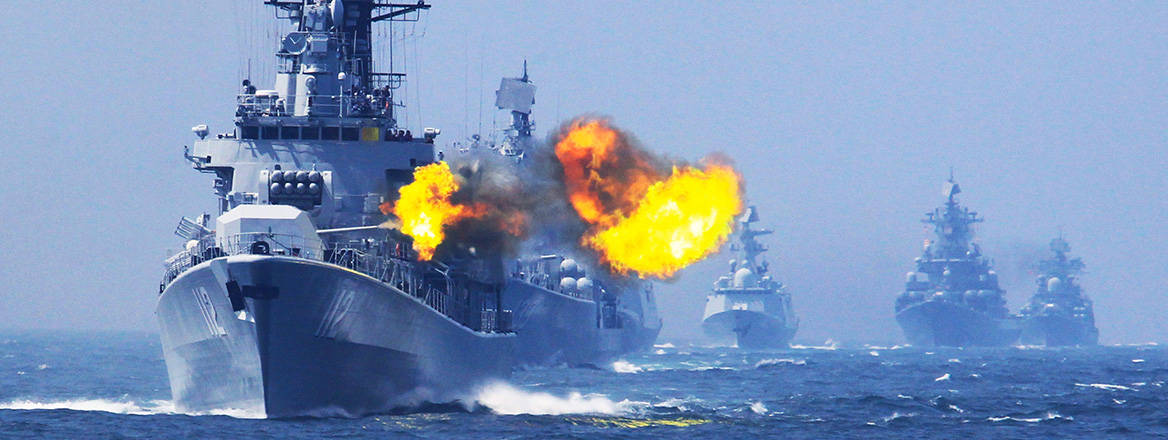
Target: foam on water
x=623 y=366
x=1049 y=416
x=758 y=408
x=1104 y=386
x=128 y=407
x=506 y=399
x=771 y=363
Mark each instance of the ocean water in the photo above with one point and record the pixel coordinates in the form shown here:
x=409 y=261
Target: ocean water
x=113 y=385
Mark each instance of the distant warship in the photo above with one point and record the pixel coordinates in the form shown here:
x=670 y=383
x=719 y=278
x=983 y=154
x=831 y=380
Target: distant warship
x=747 y=306
x=953 y=297
x=294 y=301
x=1059 y=313
x=564 y=312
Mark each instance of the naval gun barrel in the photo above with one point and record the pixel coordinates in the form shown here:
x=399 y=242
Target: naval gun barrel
x=349 y=229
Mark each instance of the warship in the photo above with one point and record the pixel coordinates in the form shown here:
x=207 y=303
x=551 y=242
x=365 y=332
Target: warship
x=1059 y=313
x=953 y=297
x=747 y=306
x=564 y=311
x=296 y=300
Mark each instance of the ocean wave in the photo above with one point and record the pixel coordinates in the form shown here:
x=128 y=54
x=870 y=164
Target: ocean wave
x=623 y=366
x=943 y=377
x=128 y=407
x=774 y=363
x=665 y=345
x=506 y=399
x=827 y=345
x=1104 y=386
x=758 y=408
x=1049 y=416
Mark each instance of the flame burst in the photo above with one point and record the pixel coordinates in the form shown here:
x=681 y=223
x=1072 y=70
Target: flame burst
x=641 y=220
x=424 y=207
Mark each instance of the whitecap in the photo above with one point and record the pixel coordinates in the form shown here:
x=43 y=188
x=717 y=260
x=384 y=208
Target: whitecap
x=1137 y=361
x=758 y=408
x=42 y=366
x=659 y=351
x=665 y=345
x=503 y=398
x=711 y=368
x=1049 y=416
x=955 y=361
x=897 y=415
x=623 y=366
x=1105 y=386
x=874 y=353
x=942 y=378
x=827 y=345
x=769 y=363
x=152 y=407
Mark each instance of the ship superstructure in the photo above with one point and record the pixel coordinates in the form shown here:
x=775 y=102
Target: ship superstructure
x=564 y=311
x=748 y=306
x=953 y=297
x=1059 y=313
x=294 y=300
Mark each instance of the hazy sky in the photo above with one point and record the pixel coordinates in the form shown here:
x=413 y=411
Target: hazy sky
x=844 y=119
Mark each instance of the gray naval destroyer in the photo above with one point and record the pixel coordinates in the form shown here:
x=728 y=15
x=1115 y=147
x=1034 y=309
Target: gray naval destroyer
x=292 y=301
x=953 y=297
x=747 y=306
x=1059 y=313
x=564 y=311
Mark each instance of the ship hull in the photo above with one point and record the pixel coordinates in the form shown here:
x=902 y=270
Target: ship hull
x=749 y=329
x=1055 y=331
x=552 y=328
x=314 y=339
x=938 y=323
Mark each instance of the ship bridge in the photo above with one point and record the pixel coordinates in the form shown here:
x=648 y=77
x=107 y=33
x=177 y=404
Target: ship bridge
x=327 y=85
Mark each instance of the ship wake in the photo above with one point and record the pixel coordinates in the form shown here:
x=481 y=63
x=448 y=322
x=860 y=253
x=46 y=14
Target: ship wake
x=506 y=399
x=118 y=406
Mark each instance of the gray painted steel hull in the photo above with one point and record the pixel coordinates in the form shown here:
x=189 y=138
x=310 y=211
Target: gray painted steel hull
x=1054 y=330
x=938 y=323
x=552 y=328
x=329 y=342
x=749 y=329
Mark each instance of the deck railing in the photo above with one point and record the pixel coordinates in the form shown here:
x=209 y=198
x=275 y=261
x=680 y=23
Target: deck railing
x=430 y=283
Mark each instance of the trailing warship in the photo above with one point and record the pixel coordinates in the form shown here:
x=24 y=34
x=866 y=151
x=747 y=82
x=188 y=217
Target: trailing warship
x=293 y=301
x=953 y=297
x=564 y=311
x=747 y=305
x=1059 y=313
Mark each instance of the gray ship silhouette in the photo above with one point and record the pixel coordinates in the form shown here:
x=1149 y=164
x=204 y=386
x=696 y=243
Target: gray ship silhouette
x=953 y=297
x=1059 y=313
x=564 y=312
x=747 y=306
x=293 y=301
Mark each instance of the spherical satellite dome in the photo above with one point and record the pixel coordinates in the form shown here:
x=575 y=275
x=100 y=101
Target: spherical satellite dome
x=744 y=278
x=568 y=284
x=584 y=285
x=1054 y=284
x=568 y=267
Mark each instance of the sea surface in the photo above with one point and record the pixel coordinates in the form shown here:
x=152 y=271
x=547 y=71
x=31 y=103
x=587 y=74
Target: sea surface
x=114 y=385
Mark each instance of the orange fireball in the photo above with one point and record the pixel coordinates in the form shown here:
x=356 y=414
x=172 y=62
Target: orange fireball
x=642 y=220
x=424 y=208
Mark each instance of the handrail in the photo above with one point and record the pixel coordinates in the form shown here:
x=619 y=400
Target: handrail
x=395 y=269
x=377 y=103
